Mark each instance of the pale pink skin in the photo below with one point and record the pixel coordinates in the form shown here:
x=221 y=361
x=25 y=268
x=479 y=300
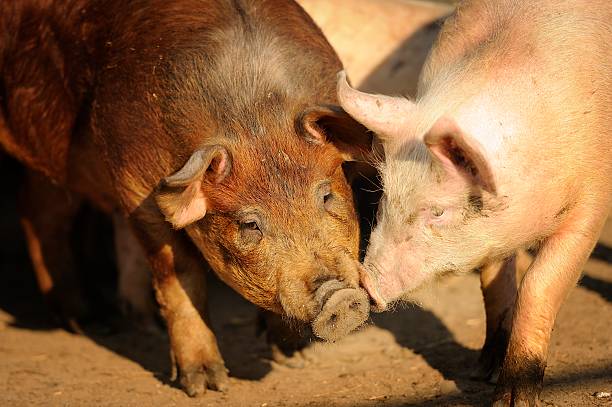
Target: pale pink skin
x=530 y=111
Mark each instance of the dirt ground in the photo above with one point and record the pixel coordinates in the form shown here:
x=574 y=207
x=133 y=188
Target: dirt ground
x=414 y=356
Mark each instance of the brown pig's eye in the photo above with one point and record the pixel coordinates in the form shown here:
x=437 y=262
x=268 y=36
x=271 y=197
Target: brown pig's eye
x=250 y=232
x=326 y=194
x=250 y=226
x=327 y=197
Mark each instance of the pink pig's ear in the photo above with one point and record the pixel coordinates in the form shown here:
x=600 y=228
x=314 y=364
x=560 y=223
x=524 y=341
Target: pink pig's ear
x=459 y=153
x=321 y=124
x=387 y=116
x=180 y=197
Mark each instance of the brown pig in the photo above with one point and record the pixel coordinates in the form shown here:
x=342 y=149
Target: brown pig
x=211 y=126
x=507 y=146
x=383 y=44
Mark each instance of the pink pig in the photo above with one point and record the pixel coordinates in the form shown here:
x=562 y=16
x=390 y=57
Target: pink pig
x=508 y=146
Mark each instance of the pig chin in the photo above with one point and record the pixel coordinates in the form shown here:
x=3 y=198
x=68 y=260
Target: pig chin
x=335 y=307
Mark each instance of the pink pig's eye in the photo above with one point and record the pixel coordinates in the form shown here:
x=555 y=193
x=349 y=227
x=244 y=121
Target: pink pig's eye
x=437 y=212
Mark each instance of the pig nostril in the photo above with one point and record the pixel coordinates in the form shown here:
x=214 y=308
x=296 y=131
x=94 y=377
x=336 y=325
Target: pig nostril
x=345 y=310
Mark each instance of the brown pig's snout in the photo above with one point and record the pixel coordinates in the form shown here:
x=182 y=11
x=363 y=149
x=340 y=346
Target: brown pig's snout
x=342 y=310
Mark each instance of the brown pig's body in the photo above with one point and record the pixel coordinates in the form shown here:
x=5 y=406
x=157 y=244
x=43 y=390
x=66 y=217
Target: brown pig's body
x=508 y=146
x=211 y=126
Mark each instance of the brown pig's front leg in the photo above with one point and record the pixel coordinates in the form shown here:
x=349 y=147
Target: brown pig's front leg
x=553 y=273
x=179 y=280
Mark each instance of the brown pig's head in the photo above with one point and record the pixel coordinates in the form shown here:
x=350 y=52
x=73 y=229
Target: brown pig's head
x=273 y=214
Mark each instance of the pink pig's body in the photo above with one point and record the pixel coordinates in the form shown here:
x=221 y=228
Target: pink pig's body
x=508 y=146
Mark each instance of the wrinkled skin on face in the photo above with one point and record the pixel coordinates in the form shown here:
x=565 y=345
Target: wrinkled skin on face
x=280 y=225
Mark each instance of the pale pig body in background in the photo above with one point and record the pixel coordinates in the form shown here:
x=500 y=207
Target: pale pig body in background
x=507 y=146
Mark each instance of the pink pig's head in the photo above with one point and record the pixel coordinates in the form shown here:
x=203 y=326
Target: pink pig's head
x=438 y=192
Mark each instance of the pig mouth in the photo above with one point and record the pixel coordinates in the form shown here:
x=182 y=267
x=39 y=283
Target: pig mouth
x=369 y=276
x=343 y=309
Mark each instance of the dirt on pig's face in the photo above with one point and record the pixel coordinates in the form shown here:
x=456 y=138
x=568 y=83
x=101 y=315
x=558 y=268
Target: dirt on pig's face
x=281 y=224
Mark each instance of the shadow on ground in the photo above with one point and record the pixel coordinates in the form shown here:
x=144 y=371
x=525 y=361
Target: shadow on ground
x=572 y=379
x=422 y=332
x=601 y=287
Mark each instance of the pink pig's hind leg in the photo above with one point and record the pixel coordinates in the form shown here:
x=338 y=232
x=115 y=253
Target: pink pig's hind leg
x=554 y=271
x=498 y=284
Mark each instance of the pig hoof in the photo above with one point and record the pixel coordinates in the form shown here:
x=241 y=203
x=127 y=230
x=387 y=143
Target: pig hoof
x=294 y=361
x=68 y=307
x=286 y=338
x=217 y=378
x=345 y=310
x=491 y=357
x=520 y=382
x=521 y=395
x=512 y=400
x=196 y=381
x=485 y=372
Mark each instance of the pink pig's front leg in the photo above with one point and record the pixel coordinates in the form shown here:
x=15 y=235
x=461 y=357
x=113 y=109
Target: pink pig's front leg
x=555 y=270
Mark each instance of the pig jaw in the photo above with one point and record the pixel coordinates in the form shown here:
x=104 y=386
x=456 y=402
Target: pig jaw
x=327 y=296
x=320 y=288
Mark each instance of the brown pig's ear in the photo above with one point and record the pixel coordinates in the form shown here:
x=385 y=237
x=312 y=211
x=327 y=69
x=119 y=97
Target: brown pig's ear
x=459 y=153
x=331 y=124
x=180 y=197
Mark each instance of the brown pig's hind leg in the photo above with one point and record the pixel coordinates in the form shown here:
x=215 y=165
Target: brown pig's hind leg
x=554 y=271
x=135 y=285
x=47 y=213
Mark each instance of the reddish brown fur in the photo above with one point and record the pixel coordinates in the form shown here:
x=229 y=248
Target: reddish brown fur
x=108 y=98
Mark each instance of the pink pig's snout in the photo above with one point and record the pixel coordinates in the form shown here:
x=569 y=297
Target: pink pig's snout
x=369 y=277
